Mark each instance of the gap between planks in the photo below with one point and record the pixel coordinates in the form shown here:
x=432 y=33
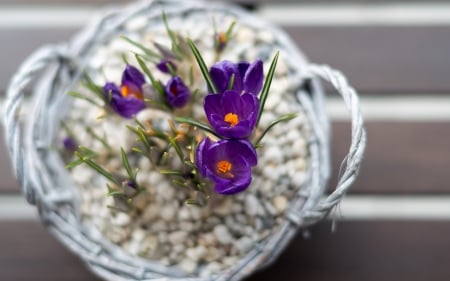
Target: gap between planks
x=352 y=207
x=44 y=16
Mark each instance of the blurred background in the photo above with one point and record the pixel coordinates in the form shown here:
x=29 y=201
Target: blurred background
x=395 y=223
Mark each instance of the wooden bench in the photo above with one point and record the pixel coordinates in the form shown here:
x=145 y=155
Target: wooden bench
x=402 y=72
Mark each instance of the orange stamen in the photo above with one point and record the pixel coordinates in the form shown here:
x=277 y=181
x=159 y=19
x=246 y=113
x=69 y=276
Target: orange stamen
x=127 y=92
x=231 y=119
x=224 y=167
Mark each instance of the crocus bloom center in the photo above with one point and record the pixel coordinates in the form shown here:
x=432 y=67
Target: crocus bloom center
x=224 y=167
x=127 y=92
x=174 y=89
x=231 y=119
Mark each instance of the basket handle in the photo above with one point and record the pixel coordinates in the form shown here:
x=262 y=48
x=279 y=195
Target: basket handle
x=355 y=154
x=31 y=69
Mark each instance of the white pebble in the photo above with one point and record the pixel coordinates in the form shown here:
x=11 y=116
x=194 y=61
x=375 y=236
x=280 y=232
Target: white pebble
x=222 y=234
x=121 y=219
x=252 y=206
x=168 y=212
x=188 y=265
x=197 y=253
x=244 y=244
x=280 y=203
x=178 y=237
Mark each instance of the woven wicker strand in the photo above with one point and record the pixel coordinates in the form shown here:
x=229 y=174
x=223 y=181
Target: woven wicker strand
x=57 y=67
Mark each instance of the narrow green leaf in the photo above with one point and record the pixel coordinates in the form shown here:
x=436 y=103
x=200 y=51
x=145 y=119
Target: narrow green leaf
x=172 y=173
x=283 y=118
x=177 y=148
x=203 y=68
x=96 y=167
x=147 y=51
x=155 y=83
x=231 y=82
x=74 y=163
x=90 y=85
x=83 y=97
x=266 y=87
x=103 y=141
x=126 y=164
x=197 y=124
x=229 y=31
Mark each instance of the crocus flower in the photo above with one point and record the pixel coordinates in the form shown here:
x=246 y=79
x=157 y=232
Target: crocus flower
x=70 y=144
x=127 y=100
x=177 y=93
x=227 y=163
x=248 y=77
x=231 y=114
x=165 y=65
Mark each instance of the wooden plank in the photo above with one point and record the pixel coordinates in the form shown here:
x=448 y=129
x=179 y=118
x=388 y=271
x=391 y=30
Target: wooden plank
x=359 y=250
x=401 y=158
x=376 y=59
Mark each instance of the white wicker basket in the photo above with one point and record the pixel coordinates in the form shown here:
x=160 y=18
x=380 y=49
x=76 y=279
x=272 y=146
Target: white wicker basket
x=55 y=68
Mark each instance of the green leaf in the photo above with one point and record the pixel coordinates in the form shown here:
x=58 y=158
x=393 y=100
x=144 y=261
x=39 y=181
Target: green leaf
x=90 y=85
x=96 y=167
x=147 y=51
x=83 y=97
x=230 y=29
x=266 y=87
x=126 y=164
x=283 y=118
x=103 y=141
x=231 y=82
x=197 y=124
x=155 y=83
x=172 y=173
x=203 y=68
x=74 y=163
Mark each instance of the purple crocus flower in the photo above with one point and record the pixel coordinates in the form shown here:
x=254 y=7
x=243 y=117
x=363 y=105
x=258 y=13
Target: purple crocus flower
x=177 y=93
x=165 y=65
x=248 y=77
x=228 y=163
x=70 y=144
x=231 y=114
x=127 y=100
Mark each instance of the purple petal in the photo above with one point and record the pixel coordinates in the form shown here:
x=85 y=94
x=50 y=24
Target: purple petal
x=163 y=66
x=242 y=67
x=127 y=107
x=252 y=104
x=70 y=144
x=230 y=188
x=221 y=74
x=132 y=75
x=177 y=93
x=111 y=88
x=246 y=150
x=212 y=105
x=253 y=77
x=202 y=150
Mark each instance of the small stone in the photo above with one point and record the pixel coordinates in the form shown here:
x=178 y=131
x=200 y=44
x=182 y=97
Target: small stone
x=266 y=36
x=184 y=213
x=270 y=208
x=244 y=244
x=151 y=212
x=188 y=265
x=280 y=203
x=252 y=206
x=223 y=208
x=177 y=237
x=197 y=253
x=223 y=234
x=210 y=269
x=121 y=219
x=207 y=239
x=168 y=212
x=275 y=154
x=298 y=179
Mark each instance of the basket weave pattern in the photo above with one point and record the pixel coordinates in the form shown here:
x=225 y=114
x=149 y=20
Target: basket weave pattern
x=55 y=68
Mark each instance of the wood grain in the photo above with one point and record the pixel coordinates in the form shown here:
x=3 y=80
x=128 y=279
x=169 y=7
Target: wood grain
x=359 y=250
x=401 y=158
x=376 y=59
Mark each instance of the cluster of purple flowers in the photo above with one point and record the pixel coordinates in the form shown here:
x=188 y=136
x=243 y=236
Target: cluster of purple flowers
x=128 y=99
x=232 y=113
